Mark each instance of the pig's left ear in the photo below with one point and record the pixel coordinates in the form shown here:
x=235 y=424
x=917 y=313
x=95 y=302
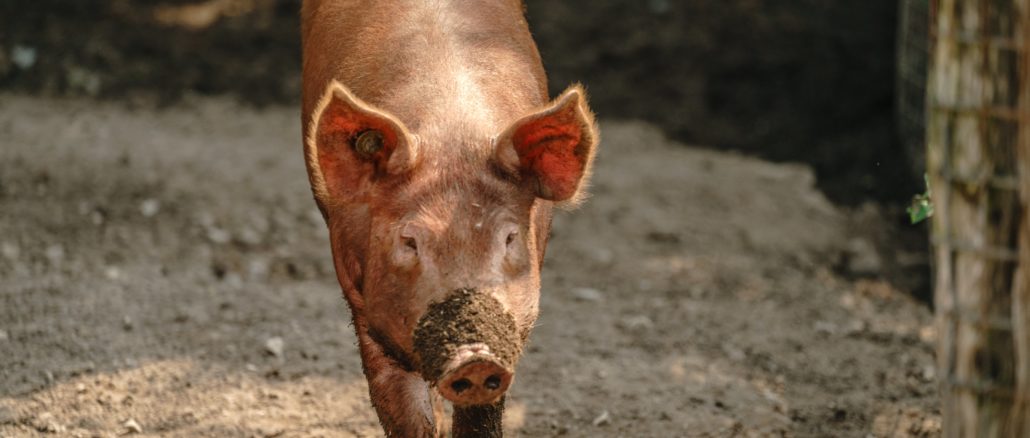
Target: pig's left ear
x=552 y=149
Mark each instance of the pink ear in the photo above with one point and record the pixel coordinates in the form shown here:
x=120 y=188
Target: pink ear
x=339 y=167
x=552 y=149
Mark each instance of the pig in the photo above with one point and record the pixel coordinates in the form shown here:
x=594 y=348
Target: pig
x=436 y=158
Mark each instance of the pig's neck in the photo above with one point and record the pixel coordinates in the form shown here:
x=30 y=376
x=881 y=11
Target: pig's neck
x=478 y=421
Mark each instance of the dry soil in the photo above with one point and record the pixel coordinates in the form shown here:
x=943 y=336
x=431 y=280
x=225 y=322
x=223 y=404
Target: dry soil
x=166 y=273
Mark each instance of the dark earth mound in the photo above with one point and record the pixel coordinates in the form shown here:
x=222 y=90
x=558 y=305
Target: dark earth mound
x=806 y=80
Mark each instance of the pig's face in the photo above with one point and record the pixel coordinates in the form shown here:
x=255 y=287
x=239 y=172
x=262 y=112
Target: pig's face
x=474 y=235
x=447 y=232
x=439 y=246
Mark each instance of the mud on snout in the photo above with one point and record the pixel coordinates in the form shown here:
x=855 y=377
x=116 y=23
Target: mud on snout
x=468 y=347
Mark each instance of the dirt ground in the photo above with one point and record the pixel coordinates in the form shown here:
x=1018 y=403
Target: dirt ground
x=165 y=273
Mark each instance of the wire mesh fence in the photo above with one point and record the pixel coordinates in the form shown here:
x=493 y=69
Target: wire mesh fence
x=977 y=138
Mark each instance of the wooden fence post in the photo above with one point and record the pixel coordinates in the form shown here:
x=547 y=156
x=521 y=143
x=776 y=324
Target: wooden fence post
x=978 y=163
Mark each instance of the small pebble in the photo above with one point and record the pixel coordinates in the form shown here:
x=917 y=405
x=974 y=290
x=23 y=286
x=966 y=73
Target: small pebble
x=44 y=422
x=250 y=236
x=825 y=327
x=113 y=273
x=636 y=322
x=218 y=235
x=3 y=335
x=586 y=294
x=24 y=57
x=602 y=419
x=274 y=346
x=257 y=269
x=929 y=373
x=127 y=324
x=149 y=207
x=131 y=426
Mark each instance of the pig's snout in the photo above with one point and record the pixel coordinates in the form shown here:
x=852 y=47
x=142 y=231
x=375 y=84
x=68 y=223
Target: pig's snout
x=467 y=347
x=474 y=377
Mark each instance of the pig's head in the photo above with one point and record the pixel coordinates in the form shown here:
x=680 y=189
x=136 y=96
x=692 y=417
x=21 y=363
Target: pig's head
x=438 y=234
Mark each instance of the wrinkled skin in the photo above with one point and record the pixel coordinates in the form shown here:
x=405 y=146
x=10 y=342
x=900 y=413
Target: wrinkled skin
x=453 y=191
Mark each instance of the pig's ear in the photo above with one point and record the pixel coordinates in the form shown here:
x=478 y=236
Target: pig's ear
x=350 y=144
x=551 y=150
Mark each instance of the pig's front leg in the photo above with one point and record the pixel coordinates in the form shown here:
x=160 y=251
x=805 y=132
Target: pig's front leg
x=401 y=398
x=479 y=421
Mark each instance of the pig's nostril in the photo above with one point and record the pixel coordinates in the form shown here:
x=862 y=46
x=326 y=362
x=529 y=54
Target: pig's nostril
x=493 y=382
x=461 y=385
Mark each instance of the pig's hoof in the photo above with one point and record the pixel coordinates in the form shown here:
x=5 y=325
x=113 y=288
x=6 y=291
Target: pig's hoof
x=477 y=382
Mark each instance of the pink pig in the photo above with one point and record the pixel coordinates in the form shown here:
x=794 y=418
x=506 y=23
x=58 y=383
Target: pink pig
x=436 y=159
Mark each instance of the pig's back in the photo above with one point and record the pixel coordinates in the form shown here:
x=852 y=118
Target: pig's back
x=432 y=64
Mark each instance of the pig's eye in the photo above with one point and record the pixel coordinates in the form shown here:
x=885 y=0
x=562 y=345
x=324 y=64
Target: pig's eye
x=410 y=243
x=511 y=237
x=407 y=235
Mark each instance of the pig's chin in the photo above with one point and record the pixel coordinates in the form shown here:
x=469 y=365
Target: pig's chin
x=467 y=346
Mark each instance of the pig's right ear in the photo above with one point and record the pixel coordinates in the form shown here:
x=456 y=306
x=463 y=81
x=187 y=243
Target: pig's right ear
x=350 y=143
x=552 y=149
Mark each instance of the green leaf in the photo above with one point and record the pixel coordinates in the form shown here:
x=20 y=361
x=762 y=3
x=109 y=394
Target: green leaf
x=919 y=211
x=921 y=206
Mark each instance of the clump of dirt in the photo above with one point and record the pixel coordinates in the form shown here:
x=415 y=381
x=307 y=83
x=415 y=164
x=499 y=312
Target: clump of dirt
x=465 y=317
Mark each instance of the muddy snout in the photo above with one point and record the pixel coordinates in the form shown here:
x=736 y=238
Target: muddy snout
x=468 y=347
x=474 y=377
